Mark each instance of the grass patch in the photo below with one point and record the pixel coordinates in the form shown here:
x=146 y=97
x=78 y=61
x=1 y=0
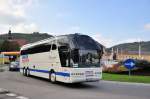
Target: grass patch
x=126 y=78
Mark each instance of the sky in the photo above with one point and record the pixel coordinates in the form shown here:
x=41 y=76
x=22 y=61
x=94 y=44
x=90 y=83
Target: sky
x=110 y=22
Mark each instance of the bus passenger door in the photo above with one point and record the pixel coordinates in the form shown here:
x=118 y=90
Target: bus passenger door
x=54 y=56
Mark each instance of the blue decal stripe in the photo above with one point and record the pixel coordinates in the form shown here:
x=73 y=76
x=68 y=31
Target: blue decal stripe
x=37 y=70
x=63 y=74
x=46 y=71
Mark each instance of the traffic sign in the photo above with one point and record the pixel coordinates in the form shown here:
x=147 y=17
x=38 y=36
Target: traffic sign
x=129 y=63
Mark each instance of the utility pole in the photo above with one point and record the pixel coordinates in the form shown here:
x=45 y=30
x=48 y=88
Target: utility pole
x=112 y=53
x=139 y=49
x=117 y=54
x=121 y=54
x=112 y=50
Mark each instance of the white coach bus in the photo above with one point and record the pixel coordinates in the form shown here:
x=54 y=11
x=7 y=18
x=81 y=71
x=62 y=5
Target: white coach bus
x=69 y=58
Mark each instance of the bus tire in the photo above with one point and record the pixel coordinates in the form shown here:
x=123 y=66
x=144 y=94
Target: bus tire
x=23 y=70
x=27 y=72
x=10 y=69
x=52 y=77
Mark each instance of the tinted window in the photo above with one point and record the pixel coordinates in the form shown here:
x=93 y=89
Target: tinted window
x=89 y=58
x=75 y=55
x=23 y=52
x=86 y=43
x=64 y=55
x=36 y=49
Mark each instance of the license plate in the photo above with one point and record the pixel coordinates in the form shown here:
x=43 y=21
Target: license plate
x=89 y=79
x=89 y=73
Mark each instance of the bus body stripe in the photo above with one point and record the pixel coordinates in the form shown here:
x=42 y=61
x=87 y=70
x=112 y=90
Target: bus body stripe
x=46 y=71
x=37 y=70
x=63 y=74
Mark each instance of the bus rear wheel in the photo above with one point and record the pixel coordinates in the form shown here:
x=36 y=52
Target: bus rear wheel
x=27 y=72
x=24 y=71
x=52 y=77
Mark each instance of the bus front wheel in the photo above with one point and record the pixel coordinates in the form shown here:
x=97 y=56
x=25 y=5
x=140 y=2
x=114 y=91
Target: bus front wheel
x=52 y=77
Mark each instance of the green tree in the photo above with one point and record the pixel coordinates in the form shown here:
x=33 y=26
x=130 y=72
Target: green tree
x=10 y=46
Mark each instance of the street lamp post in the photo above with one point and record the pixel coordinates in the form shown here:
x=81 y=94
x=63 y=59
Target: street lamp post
x=139 y=49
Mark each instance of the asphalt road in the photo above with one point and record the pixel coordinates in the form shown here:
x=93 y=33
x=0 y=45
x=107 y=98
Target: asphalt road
x=20 y=87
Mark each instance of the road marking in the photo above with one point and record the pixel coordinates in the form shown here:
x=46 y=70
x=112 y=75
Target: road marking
x=22 y=97
x=3 y=91
x=11 y=94
x=6 y=92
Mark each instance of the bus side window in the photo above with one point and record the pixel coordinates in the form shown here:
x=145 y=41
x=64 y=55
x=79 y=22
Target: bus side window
x=36 y=49
x=54 y=47
x=23 y=52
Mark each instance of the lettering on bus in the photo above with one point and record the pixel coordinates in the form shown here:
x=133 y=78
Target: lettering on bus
x=25 y=58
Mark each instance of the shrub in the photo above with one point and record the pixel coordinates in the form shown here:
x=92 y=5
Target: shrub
x=142 y=64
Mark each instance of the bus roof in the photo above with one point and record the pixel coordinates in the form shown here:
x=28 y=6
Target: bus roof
x=48 y=40
x=74 y=41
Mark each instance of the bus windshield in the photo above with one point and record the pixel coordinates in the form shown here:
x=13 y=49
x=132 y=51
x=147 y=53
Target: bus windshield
x=79 y=51
x=85 y=59
x=79 y=58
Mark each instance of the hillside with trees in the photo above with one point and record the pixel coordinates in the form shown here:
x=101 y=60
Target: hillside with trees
x=30 y=38
x=145 y=46
x=9 y=46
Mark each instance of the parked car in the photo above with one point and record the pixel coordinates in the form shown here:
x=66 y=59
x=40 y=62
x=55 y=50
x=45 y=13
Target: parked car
x=14 y=66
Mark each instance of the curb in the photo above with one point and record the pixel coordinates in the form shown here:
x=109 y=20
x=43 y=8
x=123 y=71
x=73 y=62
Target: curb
x=126 y=83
